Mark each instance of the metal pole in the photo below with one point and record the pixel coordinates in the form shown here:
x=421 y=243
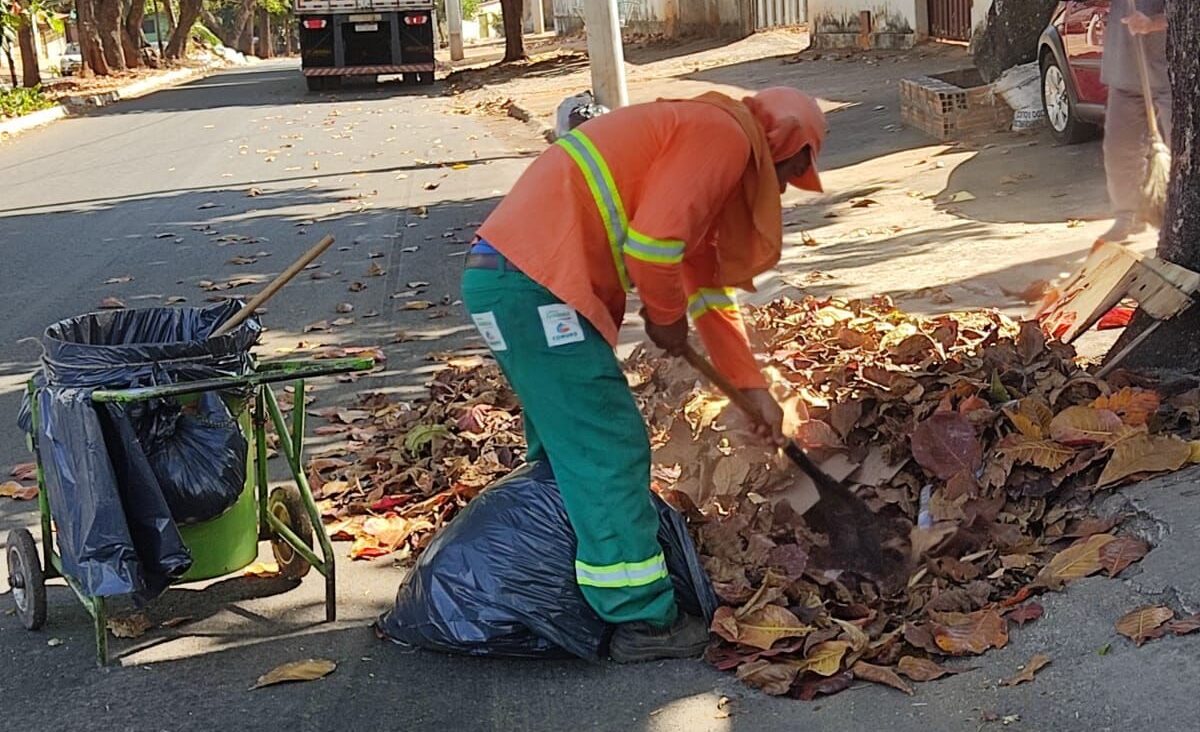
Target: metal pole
x=539 y=18
x=157 y=29
x=605 y=52
x=454 y=21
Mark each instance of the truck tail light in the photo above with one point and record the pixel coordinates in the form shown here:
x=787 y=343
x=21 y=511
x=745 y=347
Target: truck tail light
x=314 y=23
x=416 y=19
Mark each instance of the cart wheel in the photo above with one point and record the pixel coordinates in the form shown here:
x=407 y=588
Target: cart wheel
x=26 y=579
x=285 y=504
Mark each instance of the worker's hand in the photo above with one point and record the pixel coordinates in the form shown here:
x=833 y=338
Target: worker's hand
x=771 y=426
x=671 y=338
x=1140 y=24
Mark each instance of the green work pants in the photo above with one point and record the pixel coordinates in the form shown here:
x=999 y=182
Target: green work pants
x=580 y=415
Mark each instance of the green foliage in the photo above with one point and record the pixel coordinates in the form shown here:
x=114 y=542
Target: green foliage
x=470 y=8
x=19 y=101
x=205 y=35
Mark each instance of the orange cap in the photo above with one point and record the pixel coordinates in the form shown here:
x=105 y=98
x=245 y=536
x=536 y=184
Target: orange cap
x=792 y=120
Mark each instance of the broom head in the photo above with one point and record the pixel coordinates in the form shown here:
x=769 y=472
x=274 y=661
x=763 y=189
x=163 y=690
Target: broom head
x=1154 y=192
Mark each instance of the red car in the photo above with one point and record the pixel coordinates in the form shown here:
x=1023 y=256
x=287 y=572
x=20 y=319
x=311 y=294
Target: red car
x=1069 y=52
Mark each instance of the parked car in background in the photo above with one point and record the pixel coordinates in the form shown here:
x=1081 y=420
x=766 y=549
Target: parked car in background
x=1069 y=52
x=71 y=60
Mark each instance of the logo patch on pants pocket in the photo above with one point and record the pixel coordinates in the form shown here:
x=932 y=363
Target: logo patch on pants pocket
x=490 y=330
x=561 y=324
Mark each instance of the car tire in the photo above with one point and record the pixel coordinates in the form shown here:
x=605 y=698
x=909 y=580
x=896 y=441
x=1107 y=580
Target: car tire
x=1059 y=105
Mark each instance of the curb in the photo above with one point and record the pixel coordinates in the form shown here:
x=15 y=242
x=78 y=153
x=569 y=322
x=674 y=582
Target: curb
x=541 y=129
x=82 y=103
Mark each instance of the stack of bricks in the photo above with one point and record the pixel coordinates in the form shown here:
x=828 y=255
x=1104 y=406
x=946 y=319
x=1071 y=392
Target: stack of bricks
x=946 y=111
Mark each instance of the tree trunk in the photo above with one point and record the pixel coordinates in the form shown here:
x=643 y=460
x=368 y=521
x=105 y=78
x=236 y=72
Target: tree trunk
x=1011 y=34
x=219 y=29
x=89 y=39
x=170 y=11
x=512 y=12
x=243 y=27
x=31 y=75
x=1175 y=345
x=131 y=39
x=265 y=44
x=108 y=23
x=12 y=66
x=289 y=34
x=189 y=11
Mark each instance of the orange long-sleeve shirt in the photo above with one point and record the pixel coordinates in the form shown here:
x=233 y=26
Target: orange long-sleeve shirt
x=672 y=165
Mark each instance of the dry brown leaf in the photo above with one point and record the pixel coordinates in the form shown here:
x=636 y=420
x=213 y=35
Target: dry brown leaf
x=1031 y=667
x=417 y=305
x=825 y=659
x=129 y=626
x=759 y=629
x=375 y=270
x=945 y=445
x=264 y=570
x=1145 y=454
x=1134 y=406
x=772 y=678
x=962 y=633
x=923 y=669
x=112 y=303
x=119 y=280
x=1031 y=417
x=1078 y=560
x=1143 y=624
x=1184 y=626
x=309 y=669
x=879 y=675
x=16 y=491
x=1026 y=613
x=1046 y=454
x=1079 y=426
x=1121 y=552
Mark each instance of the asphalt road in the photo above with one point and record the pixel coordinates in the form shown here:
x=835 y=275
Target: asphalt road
x=124 y=193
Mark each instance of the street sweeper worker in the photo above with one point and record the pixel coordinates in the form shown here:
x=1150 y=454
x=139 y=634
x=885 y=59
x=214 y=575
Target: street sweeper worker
x=679 y=199
x=1126 y=127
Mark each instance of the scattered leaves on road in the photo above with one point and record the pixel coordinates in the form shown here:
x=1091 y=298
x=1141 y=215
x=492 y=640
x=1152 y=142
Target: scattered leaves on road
x=1027 y=672
x=309 y=669
x=119 y=280
x=112 y=303
x=1145 y=623
x=130 y=626
x=17 y=492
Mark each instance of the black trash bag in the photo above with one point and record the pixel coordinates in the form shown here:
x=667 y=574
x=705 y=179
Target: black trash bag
x=500 y=579
x=114 y=528
x=198 y=455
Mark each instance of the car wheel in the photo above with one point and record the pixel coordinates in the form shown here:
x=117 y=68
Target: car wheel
x=1059 y=105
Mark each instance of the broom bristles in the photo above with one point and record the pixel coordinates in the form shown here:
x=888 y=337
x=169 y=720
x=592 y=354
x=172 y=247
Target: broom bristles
x=1158 y=178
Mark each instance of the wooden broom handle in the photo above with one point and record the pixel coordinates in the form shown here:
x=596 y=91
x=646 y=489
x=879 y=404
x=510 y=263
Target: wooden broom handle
x=701 y=364
x=275 y=285
x=1144 y=74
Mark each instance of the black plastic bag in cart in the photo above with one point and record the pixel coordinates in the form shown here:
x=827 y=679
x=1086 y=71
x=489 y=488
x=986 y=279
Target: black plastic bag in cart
x=499 y=580
x=114 y=524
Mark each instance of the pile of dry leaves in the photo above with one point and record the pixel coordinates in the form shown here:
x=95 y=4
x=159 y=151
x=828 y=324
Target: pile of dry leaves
x=979 y=443
x=406 y=469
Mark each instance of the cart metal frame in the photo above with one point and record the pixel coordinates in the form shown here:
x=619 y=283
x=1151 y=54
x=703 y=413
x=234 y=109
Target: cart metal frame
x=291 y=446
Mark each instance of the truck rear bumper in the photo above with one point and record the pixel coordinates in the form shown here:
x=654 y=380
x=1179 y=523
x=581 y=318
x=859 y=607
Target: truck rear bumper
x=379 y=70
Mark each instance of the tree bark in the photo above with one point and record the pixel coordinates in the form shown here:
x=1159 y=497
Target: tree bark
x=1011 y=34
x=131 y=39
x=1175 y=345
x=89 y=38
x=189 y=11
x=31 y=75
x=108 y=23
x=265 y=44
x=512 y=12
x=170 y=11
x=12 y=67
x=243 y=27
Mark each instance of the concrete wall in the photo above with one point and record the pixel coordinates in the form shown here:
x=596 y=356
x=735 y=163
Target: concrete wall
x=835 y=23
x=670 y=18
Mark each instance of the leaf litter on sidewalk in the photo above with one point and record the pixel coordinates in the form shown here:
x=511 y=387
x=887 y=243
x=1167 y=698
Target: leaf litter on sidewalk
x=979 y=442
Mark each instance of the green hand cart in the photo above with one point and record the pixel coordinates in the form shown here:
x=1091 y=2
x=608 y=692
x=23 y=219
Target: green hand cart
x=286 y=515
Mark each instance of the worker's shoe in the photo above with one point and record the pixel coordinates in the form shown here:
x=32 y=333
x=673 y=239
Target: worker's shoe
x=635 y=642
x=1124 y=226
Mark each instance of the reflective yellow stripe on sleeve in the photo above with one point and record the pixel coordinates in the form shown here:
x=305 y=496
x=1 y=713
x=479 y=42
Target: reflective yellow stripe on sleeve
x=604 y=191
x=707 y=299
x=621 y=574
x=656 y=251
